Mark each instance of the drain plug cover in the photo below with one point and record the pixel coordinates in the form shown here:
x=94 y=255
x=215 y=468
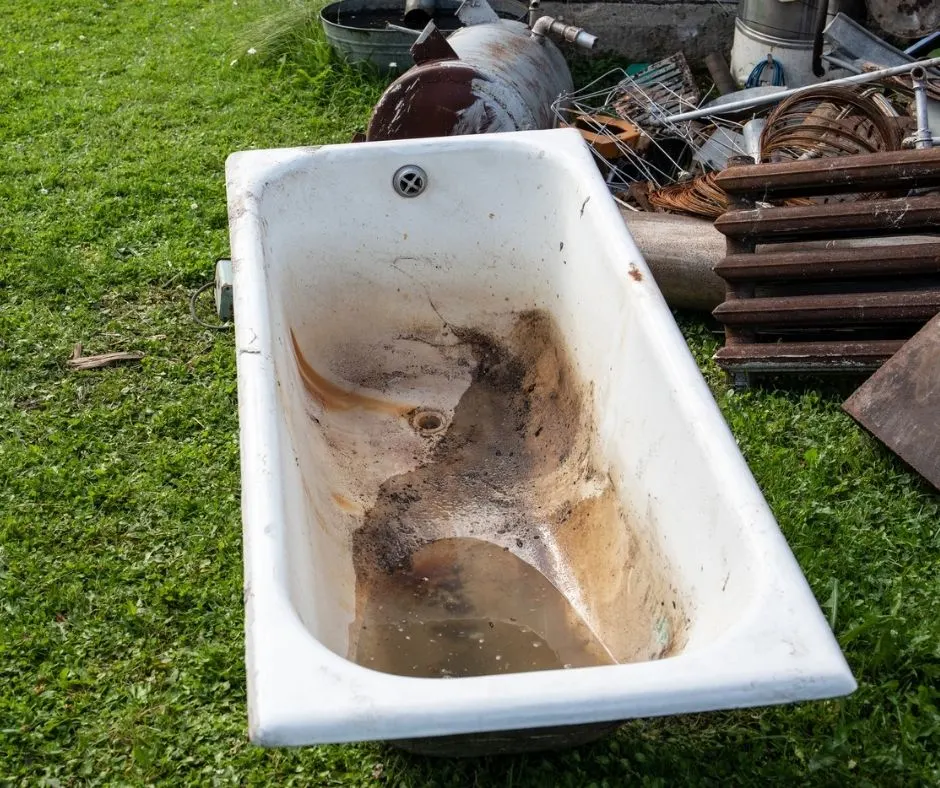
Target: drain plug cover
x=410 y=180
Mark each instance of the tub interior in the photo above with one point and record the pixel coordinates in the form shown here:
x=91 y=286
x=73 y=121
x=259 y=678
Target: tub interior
x=479 y=430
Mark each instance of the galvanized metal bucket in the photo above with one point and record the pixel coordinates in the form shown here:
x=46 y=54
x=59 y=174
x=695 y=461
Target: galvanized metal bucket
x=356 y=29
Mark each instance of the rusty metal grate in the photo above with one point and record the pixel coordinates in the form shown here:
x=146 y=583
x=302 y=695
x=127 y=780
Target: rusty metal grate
x=828 y=286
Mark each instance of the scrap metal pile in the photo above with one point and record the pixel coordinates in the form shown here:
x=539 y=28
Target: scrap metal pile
x=660 y=144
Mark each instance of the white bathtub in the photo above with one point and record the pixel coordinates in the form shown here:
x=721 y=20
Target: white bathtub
x=359 y=310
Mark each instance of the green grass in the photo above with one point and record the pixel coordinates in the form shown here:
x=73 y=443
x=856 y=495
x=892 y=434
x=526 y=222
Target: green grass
x=120 y=567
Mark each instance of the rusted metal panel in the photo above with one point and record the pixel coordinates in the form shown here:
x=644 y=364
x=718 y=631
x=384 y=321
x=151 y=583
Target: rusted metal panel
x=900 y=404
x=665 y=87
x=831 y=309
x=832 y=220
x=431 y=45
x=804 y=356
x=893 y=170
x=821 y=264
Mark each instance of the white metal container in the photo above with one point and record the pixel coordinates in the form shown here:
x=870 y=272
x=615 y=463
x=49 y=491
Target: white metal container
x=353 y=306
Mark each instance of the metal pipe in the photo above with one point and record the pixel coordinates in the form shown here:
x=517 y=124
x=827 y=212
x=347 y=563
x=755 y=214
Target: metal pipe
x=721 y=74
x=533 y=10
x=419 y=12
x=923 y=138
x=773 y=98
x=840 y=63
x=923 y=43
x=682 y=253
x=400 y=29
x=820 y=25
x=549 y=27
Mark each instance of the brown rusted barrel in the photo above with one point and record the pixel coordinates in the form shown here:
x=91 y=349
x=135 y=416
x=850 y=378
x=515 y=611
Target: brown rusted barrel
x=498 y=77
x=905 y=18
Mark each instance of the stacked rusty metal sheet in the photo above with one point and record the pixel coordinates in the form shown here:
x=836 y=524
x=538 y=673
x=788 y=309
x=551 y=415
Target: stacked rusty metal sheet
x=799 y=296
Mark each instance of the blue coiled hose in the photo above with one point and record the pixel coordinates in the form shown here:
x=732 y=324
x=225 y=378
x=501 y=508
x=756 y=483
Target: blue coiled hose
x=757 y=73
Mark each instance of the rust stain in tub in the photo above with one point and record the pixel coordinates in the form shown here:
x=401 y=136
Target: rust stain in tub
x=635 y=273
x=345 y=504
x=334 y=397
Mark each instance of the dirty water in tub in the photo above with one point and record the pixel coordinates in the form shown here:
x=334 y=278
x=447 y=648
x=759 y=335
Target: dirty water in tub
x=466 y=607
x=505 y=549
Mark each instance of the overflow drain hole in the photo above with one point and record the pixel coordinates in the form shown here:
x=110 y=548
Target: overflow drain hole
x=410 y=180
x=428 y=422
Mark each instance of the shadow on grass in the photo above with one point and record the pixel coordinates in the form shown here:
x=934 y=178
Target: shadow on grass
x=720 y=748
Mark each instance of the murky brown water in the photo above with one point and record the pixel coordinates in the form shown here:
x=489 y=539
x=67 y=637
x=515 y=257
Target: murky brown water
x=466 y=607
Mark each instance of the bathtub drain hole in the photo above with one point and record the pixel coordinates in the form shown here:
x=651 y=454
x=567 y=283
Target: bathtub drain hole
x=410 y=180
x=428 y=422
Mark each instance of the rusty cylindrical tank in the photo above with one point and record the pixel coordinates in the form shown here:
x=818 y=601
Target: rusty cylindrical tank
x=496 y=76
x=905 y=18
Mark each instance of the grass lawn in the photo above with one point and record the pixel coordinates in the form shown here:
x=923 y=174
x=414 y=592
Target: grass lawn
x=121 y=649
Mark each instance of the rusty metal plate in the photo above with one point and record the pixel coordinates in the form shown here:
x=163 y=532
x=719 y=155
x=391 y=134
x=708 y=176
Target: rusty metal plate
x=894 y=170
x=873 y=217
x=900 y=404
x=831 y=309
x=807 y=356
x=823 y=264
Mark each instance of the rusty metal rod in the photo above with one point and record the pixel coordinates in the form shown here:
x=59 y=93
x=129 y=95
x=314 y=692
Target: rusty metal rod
x=876 y=171
x=877 y=217
x=773 y=98
x=822 y=264
x=831 y=309
x=798 y=356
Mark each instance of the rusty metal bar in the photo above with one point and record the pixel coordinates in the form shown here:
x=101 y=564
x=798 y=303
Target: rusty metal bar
x=912 y=169
x=831 y=309
x=877 y=261
x=874 y=217
x=808 y=356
